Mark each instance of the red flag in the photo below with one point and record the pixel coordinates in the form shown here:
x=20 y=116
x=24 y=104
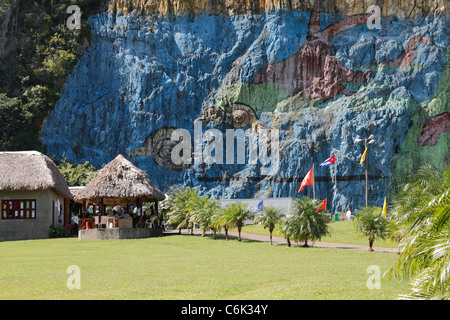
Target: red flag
x=308 y=180
x=323 y=206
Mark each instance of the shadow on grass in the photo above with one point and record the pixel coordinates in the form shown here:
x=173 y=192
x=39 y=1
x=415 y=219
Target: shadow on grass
x=220 y=236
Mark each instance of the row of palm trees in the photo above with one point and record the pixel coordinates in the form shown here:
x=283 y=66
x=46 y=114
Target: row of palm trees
x=187 y=209
x=419 y=219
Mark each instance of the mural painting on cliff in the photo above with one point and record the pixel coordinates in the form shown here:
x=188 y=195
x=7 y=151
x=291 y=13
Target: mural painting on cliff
x=433 y=128
x=322 y=79
x=312 y=71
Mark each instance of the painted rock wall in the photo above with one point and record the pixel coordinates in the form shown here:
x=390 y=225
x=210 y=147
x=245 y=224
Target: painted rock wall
x=315 y=72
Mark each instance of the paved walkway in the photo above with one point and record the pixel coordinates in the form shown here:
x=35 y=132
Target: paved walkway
x=276 y=239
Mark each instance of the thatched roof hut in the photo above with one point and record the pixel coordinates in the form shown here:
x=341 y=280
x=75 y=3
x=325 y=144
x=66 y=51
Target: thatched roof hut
x=120 y=182
x=31 y=171
x=33 y=196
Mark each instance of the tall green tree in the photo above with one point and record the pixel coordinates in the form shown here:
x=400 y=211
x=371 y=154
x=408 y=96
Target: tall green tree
x=305 y=223
x=269 y=217
x=43 y=53
x=75 y=174
x=371 y=223
x=235 y=215
x=15 y=125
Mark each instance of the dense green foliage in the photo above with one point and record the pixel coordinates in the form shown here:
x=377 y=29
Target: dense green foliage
x=14 y=130
x=75 y=174
x=422 y=211
x=204 y=210
x=57 y=231
x=235 y=215
x=219 y=222
x=269 y=217
x=186 y=210
x=33 y=74
x=371 y=223
x=305 y=223
x=180 y=208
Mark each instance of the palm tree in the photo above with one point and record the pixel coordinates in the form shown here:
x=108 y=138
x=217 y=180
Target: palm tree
x=180 y=206
x=422 y=208
x=218 y=222
x=418 y=191
x=215 y=225
x=285 y=227
x=235 y=214
x=394 y=232
x=371 y=223
x=305 y=223
x=269 y=217
x=203 y=211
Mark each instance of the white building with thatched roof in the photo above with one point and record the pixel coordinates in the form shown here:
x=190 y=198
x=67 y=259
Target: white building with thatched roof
x=33 y=195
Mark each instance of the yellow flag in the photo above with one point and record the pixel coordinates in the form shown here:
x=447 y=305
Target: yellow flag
x=363 y=157
x=384 y=208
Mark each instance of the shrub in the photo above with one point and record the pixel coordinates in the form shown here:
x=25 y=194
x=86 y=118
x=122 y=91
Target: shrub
x=58 y=231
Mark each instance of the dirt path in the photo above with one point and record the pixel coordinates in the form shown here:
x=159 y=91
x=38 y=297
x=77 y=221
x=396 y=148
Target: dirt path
x=276 y=239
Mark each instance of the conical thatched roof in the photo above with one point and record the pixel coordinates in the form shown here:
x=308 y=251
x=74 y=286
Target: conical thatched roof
x=120 y=182
x=30 y=170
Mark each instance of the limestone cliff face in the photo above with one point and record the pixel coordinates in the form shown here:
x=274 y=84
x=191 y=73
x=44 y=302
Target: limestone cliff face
x=396 y=8
x=314 y=71
x=8 y=27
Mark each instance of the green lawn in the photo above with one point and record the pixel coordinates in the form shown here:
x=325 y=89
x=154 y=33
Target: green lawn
x=341 y=232
x=189 y=267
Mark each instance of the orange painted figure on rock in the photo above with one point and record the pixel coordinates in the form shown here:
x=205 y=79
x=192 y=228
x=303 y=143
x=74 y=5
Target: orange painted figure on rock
x=314 y=71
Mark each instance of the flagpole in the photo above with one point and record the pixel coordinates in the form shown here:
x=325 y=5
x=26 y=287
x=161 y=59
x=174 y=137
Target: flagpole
x=364 y=159
x=335 y=180
x=335 y=186
x=367 y=180
x=314 y=183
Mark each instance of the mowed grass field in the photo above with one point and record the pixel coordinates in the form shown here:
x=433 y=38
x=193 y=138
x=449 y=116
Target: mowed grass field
x=190 y=267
